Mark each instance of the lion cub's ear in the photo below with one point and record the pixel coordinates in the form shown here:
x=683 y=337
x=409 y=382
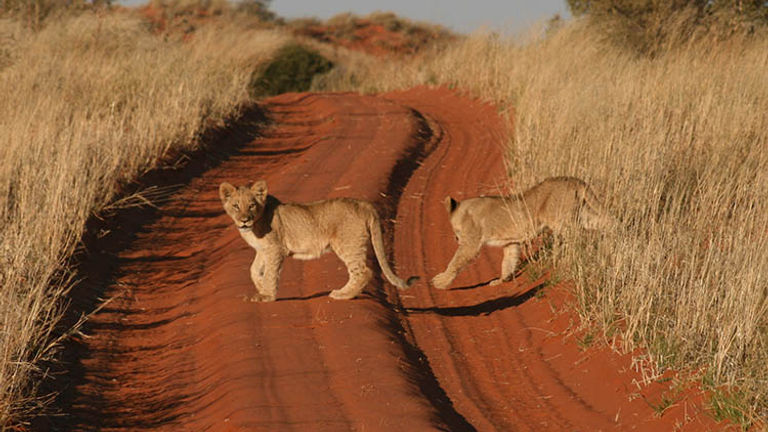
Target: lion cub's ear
x=450 y=204
x=225 y=190
x=259 y=190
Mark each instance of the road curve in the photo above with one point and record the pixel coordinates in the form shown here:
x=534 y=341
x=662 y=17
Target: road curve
x=176 y=347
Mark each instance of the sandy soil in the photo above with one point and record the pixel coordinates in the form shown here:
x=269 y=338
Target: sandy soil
x=176 y=347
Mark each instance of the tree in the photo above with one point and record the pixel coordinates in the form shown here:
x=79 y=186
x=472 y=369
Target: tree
x=259 y=8
x=650 y=25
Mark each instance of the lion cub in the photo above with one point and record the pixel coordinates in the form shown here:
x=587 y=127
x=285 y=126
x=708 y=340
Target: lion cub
x=306 y=231
x=509 y=221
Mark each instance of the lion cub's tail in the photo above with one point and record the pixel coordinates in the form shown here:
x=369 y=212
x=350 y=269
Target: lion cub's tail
x=374 y=228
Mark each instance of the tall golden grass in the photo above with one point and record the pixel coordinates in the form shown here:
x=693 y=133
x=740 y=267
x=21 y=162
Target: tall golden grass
x=678 y=145
x=89 y=103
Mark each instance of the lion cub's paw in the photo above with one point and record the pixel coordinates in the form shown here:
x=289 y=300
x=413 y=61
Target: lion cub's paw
x=411 y=280
x=498 y=281
x=338 y=294
x=442 y=281
x=258 y=298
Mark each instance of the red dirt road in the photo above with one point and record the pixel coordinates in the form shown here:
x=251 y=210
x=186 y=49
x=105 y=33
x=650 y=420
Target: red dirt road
x=178 y=349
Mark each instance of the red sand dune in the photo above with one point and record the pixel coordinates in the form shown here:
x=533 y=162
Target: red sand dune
x=178 y=349
x=372 y=38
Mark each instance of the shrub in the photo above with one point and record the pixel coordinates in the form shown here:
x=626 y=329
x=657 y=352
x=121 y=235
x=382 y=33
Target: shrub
x=292 y=70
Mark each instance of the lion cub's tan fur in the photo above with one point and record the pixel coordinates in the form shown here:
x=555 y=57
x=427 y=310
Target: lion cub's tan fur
x=510 y=221
x=306 y=231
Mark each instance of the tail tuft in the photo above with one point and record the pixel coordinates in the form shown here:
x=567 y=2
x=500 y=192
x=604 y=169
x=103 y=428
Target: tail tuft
x=411 y=280
x=450 y=204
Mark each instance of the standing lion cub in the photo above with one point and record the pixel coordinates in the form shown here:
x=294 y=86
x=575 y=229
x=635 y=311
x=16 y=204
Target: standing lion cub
x=509 y=221
x=306 y=231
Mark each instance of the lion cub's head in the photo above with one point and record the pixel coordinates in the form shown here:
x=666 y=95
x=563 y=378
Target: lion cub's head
x=244 y=204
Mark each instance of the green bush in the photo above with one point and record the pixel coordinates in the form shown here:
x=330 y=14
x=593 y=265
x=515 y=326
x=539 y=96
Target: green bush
x=292 y=70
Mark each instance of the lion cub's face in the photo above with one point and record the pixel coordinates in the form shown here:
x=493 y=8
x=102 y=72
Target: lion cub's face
x=244 y=204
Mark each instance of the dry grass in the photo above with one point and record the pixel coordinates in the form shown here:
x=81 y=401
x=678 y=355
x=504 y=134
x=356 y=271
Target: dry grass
x=90 y=103
x=677 y=144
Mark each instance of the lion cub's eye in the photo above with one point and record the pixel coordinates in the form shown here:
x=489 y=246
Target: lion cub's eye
x=253 y=206
x=235 y=206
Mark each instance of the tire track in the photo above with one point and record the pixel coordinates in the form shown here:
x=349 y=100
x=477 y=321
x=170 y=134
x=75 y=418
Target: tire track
x=507 y=359
x=176 y=348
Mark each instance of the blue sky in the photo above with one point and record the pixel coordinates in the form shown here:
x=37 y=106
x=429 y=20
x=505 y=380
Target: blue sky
x=458 y=15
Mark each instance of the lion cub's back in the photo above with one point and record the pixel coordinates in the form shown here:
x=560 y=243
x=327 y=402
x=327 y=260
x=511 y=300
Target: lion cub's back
x=495 y=217
x=341 y=211
x=310 y=228
x=326 y=217
x=562 y=191
x=556 y=200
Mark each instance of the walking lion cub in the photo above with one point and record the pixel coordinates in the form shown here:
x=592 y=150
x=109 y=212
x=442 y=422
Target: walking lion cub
x=509 y=221
x=306 y=231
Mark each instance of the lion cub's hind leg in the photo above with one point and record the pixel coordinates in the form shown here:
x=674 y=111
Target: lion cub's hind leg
x=354 y=255
x=508 y=264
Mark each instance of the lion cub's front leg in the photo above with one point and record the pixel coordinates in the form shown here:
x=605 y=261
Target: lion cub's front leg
x=265 y=274
x=466 y=252
x=257 y=276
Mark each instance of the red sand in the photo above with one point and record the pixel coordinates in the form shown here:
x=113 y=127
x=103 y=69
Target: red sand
x=177 y=349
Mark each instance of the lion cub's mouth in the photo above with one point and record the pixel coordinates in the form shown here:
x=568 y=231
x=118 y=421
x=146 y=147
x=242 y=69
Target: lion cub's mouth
x=244 y=227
